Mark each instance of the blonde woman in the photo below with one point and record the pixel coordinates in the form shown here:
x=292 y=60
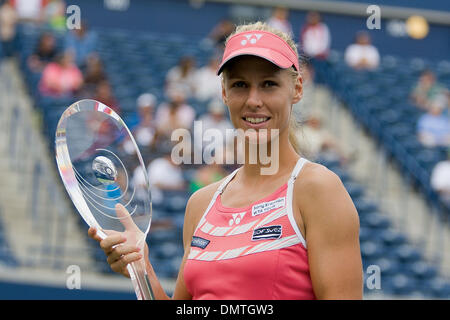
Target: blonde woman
x=292 y=234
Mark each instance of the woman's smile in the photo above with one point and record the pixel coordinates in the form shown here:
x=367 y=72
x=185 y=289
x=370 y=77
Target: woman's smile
x=255 y=120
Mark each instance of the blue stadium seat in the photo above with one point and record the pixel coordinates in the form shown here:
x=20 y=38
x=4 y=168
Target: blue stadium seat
x=391 y=237
x=176 y=200
x=398 y=284
x=439 y=288
x=388 y=267
x=375 y=220
x=354 y=189
x=371 y=250
x=422 y=270
x=365 y=234
x=406 y=253
x=364 y=205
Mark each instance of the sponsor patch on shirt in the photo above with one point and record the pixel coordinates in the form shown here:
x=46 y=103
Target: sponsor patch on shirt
x=260 y=208
x=199 y=242
x=269 y=232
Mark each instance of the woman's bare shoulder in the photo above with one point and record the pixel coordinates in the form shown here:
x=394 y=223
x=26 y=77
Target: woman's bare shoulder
x=316 y=183
x=198 y=203
x=318 y=189
x=315 y=176
x=203 y=196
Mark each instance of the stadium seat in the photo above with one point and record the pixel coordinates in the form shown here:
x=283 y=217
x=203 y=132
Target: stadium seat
x=406 y=253
x=371 y=250
x=392 y=238
x=422 y=270
x=388 y=267
x=439 y=288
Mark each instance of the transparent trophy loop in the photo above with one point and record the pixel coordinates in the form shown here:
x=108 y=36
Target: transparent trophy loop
x=97 y=175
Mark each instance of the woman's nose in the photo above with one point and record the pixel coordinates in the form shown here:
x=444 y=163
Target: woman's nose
x=254 y=98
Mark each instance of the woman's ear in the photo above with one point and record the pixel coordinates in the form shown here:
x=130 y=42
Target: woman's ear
x=224 y=94
x=298 y=90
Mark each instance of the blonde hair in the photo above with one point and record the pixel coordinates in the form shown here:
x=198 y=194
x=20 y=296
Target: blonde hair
x=294 y=125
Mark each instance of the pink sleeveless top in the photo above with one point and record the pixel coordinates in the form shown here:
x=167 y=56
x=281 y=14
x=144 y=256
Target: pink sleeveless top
x=251 y=253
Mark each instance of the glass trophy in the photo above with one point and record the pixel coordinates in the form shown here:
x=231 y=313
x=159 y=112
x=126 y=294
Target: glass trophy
x=97 y=175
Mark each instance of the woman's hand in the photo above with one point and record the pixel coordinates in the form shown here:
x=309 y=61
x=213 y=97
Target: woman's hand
x=119 y=253
x=121 y=248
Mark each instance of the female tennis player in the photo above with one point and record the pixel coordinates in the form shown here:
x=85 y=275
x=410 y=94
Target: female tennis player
x=292 y=234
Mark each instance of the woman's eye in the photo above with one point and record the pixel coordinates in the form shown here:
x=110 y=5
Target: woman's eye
x=239 y=84
x=269 y=83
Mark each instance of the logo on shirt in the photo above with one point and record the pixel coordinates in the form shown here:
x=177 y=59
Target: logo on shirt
x=270 y=232
x=199 y=242
x=236 y=218
x=261 y=208
x=251 y=38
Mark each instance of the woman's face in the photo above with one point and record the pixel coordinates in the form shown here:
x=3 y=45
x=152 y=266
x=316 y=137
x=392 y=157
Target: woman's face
x=259 y=95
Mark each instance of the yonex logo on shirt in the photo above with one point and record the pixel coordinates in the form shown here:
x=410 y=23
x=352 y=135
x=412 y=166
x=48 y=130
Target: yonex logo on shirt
x=236 y=218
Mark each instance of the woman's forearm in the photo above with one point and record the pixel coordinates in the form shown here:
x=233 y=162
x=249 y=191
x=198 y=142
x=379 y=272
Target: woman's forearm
x=157 y=289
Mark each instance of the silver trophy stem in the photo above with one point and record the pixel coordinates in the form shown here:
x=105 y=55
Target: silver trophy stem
x=140 y=281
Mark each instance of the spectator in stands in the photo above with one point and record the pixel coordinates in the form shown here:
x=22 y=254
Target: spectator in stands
x=279 y=20
x=315 y=38
x=44 y=53
x=94 y=75
x=55 y=15
x=105 y=95
x=207 y=84
x=318 y=142
x=62 y=78
x=433 y=128
x=216 y=118
x=220 y=32
x=173 y=115
x=82 y=43
x=362 y=55
x=206 y=175
x=426 y=90
x=30 y=11
x=8 y=22
x=145 y=130
x=164 y=175
x=440 y=179
x=182 y=76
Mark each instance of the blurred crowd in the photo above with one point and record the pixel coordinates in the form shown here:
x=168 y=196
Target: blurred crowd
x=433 y=126
x=76 y=70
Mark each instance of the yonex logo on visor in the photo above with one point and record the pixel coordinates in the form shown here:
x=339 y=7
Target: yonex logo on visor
x=251 y=38
x=262 y=44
